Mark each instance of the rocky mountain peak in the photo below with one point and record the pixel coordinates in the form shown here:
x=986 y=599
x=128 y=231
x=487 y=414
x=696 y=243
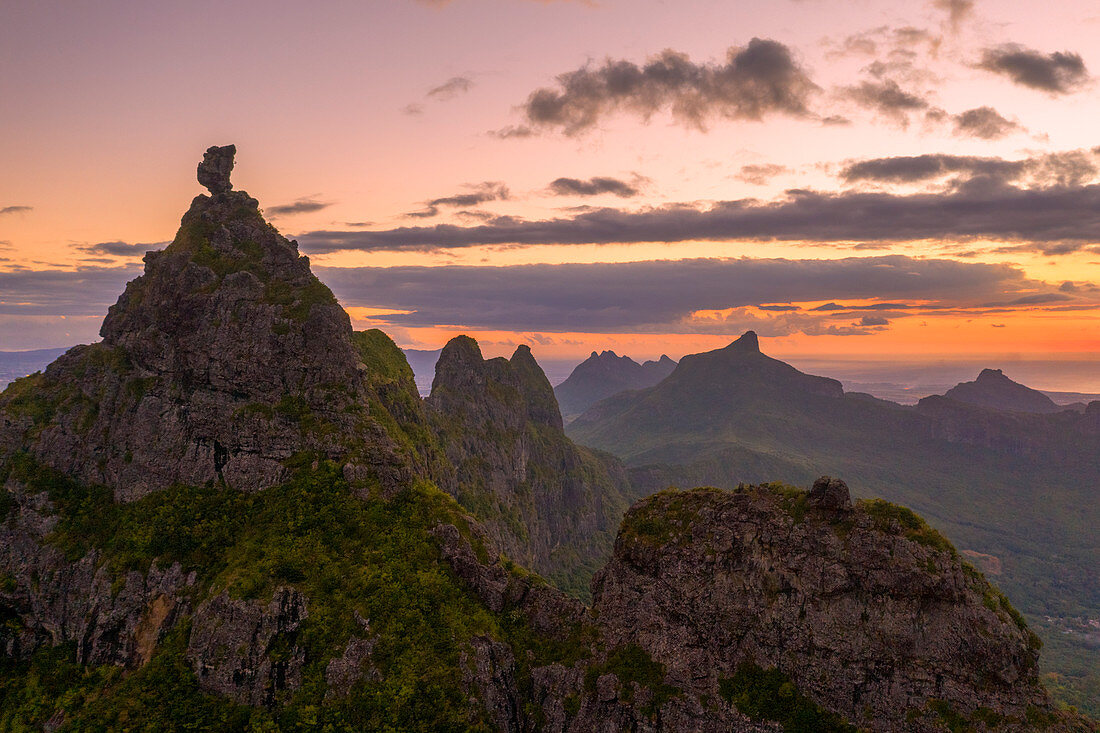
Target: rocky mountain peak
x=517 y=385
x=222 y=360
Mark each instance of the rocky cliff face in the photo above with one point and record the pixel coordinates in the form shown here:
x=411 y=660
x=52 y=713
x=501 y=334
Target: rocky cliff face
x=549 y=504
x=223 y=360
x=870 y=613
x=769 y=607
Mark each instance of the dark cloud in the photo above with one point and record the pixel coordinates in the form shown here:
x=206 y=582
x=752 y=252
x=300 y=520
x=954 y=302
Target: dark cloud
x=658 y=296
x=15 y=210
x=87 y=291
x=886 y=98
x=757 y=80
x=451 y=88
x=759 y=175
x=1053 y=219
x=874 y=321
x=121 y=249
x=593 y=187
x=1057 y=73
x=1069 y=168
x=985 y=123
x=413 y=110
x=918 y=168
x=480 y=194
x=301 y=206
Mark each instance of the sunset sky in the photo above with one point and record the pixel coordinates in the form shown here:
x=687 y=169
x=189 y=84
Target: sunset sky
x=845 y=177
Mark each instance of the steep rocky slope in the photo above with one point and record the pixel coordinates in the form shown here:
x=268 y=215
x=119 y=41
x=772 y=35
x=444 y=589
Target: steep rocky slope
x=604 y=374
x=994 y=390
x=325 y=582
x=549 y=504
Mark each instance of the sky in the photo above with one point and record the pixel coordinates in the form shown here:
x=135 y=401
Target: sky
x=849 y=178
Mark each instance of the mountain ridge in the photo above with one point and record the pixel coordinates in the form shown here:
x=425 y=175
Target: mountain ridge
x=604 y=374
x=340 y=586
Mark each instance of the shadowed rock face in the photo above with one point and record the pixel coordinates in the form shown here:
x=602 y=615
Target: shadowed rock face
x=225 y=358
x=548 y=503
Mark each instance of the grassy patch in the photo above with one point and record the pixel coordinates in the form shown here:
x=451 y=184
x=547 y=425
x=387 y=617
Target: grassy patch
x=768 y=694
x=909 y=522
x=632 y=664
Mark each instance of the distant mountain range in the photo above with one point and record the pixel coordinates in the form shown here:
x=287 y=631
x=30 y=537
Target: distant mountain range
x=1009 y=478
x=16 y=364
x=604 y=374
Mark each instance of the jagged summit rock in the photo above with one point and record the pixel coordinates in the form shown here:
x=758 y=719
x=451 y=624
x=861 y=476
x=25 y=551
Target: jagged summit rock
x=992 y=389
x=830 y=494
x=219 y=363
x=215 y=168
x=604 y=374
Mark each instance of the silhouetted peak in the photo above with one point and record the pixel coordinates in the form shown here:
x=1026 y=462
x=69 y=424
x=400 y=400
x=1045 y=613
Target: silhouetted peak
x=993 y=389
x=215 y=168
x=523 y=355
x=747 y=342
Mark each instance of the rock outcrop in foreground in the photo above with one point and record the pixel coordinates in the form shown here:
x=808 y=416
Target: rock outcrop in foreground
x=227 y=516
x=866 y=610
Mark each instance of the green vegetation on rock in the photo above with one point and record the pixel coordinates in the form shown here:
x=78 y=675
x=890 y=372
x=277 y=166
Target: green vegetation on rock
x=768 y=694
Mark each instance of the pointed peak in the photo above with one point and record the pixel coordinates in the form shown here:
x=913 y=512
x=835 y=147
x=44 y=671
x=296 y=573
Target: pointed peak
x=748 y=342
x=594 y=355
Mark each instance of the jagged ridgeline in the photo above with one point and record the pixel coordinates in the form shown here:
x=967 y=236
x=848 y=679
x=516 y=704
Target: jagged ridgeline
x=234 y=513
